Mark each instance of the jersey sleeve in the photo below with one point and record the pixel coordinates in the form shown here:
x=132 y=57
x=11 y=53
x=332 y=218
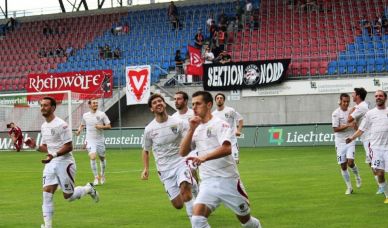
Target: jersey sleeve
x=105 y=119
x=184 y=127
x=365 y=123
x=224 y=133
x=65 y=133
x=358 y=112
x=334 y=119
x=239 y=117
x=147 y=142
x=43 y=140
x=83 y=122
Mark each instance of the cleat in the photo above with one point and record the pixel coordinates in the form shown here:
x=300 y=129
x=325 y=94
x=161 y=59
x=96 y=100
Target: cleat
x=93 y=192
x=95 y=182
x=380 y=190
x=349 y=191
x=386 y=200
x=102 y=180
x=42 y=226
x=358 y=182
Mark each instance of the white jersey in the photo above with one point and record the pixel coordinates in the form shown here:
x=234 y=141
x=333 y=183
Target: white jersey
x=339 y=118
x=90 y=120
x=164 y=139
x=230 y=116
x=359 y=115
x=206 y=138
x=56 y=134
x=186 y=116
x=376 y=121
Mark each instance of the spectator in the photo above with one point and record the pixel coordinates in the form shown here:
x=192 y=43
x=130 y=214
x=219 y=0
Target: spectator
x=239 y=10
x=11 y=24
x=221 y=36
x=172 y=13
x=384 y=24
x=42 y=53
x=69 y=50
x=248 y=8
x=223 y=58
x=178 y=62
x=117 y=53
x=198 y=39
x=47 y=30
x=378 y=25
x=101 y=53
x=222 y=21
x=59 y=51
x=208 y=55
x=107 y=52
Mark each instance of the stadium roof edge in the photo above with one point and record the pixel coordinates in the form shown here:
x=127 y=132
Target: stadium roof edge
x=124 y=9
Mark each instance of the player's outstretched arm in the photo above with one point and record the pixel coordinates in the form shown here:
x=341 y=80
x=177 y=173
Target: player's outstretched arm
x=357 y=134
x=146 y=164
x=240 y=127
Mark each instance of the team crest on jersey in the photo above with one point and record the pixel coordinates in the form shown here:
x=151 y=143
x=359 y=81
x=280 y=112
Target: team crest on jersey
x=174 y=129
x=228 y=115
x=98 y=118
x=243 y=207
x=52 y=132
x=209 y=132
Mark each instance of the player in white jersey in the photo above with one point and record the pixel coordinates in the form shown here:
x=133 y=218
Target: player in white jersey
x=96 y=122
x=376 y=122
x=181 y=100
x=220 y=179
x=233 y=118
x=185 y=113
x=357 y=114
x=163 y=136
x=345 y=152
x=60 y=168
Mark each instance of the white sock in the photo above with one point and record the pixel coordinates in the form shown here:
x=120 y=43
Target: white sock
x=79 y=192
x=189 y=207
x=355 y=171
x=93 y=165
x=199 y=222
x=252 y=223
x=384 y=186
x=345 y=175
x=48 y=209
x=102 y=166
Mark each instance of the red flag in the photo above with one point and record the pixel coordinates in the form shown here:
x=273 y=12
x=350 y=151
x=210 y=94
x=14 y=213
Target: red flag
x=195 y=67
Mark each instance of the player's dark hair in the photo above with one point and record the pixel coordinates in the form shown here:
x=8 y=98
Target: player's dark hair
x=219 y=94
x=184 y=94
x=344 y=95
x=206 y=96
x=361 y=92
x=53 y=102
x=90 y=100
x=154 y=96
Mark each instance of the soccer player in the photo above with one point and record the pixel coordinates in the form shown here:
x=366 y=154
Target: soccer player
x=345 y=152
x=95 y=121
x=220 y=180
x=232 y=117
x=181 y=100
x=163 y=135
x=16 y=135
x=376 y=121
x=357 y=114
x=60 y=168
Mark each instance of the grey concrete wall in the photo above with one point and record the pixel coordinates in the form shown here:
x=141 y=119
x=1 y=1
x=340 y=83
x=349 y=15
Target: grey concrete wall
x=255 y=110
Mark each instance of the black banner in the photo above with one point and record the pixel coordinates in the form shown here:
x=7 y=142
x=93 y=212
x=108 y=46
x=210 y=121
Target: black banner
x=242 y=75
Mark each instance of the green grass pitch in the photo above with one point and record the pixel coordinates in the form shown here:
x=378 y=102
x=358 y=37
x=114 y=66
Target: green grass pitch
x=287 y=187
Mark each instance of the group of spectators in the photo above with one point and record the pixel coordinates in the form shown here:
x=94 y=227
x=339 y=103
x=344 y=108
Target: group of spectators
x=106 y=52
x=173 y=16
x=378 y=27
x=58 y=51
x=49 y=30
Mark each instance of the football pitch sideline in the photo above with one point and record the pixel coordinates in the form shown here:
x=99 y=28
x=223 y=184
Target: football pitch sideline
x=287 y=187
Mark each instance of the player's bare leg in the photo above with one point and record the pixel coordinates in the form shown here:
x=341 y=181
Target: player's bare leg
x=382 y=184
x=102 y=169
x=346 y=176
x=200 y=214
x=355 y=171
x=187 y=197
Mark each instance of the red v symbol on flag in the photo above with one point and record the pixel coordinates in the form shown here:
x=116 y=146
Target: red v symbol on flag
x=137 y=81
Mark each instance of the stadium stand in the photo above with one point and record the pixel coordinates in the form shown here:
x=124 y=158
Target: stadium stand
x=322 y=39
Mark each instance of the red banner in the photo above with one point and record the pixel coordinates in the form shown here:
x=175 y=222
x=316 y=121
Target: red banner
x=195 y=67
x=88 y=84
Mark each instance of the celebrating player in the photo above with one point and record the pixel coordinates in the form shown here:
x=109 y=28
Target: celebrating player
x=220 y=180
x=95 y=121
x=232 y=117
x=16 y=135
x=358 y=114
x=376 y=121
x=181 y=100
x=163 y=135
x=60 y=168
x=345 y=152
